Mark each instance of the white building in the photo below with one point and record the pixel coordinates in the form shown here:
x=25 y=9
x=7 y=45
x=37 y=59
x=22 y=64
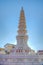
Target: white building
x=21 y=54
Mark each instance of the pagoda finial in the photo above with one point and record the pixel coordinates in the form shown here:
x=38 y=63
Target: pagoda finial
x=22 y=15
x=22 y=8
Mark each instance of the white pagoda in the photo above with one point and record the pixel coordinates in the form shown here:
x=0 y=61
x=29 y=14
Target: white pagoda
x=21 y=54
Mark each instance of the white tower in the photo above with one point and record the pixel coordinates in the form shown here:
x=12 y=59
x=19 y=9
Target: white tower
x=22 y=34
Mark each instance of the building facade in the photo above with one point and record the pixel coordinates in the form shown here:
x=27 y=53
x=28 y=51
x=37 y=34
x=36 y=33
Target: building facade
x=21 y=54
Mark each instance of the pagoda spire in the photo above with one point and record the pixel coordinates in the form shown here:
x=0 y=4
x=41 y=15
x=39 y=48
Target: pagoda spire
x=22 y=23
x=22 y=16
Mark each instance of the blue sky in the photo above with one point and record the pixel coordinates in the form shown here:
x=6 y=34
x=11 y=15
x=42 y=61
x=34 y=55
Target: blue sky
x=9 y=19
